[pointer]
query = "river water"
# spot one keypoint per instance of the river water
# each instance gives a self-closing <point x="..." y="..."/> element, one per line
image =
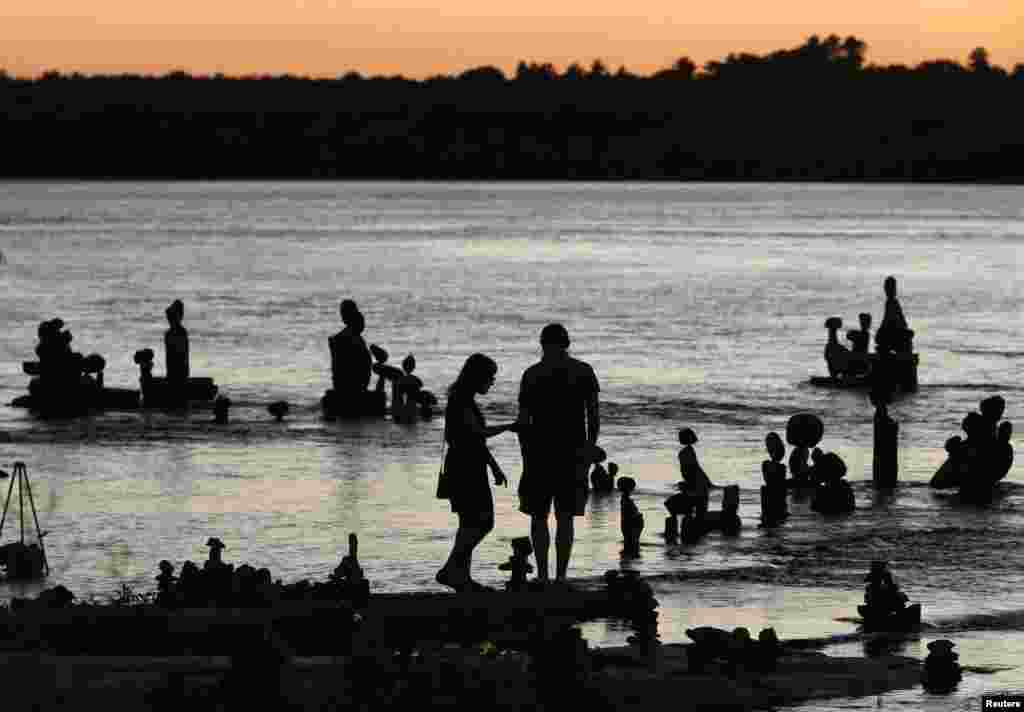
<point x="698" y="305"/>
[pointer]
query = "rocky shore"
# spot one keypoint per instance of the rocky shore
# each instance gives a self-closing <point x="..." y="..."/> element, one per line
<point x="444" y="676"/>
<point x="226" y="638"/>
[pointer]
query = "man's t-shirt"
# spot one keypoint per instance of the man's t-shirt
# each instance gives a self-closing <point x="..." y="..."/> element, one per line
<point x="555" y="391"/>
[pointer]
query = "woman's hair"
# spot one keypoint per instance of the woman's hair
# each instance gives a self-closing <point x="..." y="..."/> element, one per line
<point x="474" y="371"/>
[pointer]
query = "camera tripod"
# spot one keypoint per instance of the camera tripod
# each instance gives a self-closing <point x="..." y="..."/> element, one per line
<point x="20" y="475"/>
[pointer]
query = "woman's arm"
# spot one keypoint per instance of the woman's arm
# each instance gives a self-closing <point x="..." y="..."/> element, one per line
<point x="474" y="428"/>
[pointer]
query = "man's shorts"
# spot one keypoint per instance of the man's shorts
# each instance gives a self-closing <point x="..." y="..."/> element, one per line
<point x="562" y="484"/>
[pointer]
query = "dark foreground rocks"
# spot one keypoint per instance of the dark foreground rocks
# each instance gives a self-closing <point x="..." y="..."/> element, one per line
<point x="446" y="676"/>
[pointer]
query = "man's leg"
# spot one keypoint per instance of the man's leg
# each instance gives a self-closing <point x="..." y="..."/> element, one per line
<point x="541" y="542"/>
<point x="564" y="534"/>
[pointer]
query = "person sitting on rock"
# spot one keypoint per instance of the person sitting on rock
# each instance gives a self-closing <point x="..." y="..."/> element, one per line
<point x="837" y="356"/>
<point x="893" y="333"/>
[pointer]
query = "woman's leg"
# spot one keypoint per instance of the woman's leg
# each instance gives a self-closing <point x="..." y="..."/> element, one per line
<point x="472" y="530"/>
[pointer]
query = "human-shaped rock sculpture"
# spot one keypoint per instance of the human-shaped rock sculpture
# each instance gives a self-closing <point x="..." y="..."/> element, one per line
<point x="773" y="493"/>
<point x="885" y="442"/>
<point x="836" y="355"/>
<point x="893" y="334"/>
<point x="350" y="367"/>
<point x="408" y="387"/>
<point x="631" y="521"/>
<point x="176" y="357"/>
<point x="695" y="482"/>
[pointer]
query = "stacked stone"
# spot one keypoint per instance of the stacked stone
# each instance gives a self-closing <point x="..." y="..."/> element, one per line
<point x="636" y="597"/>
<point x="518" y="564"/>
<point x="976" y="463"/>
<point x="941" y="671"/>
<point x="64" y="382"/>
<point x="221" y="584"/>
<point x="803" y="432"/>
<point x="833" y="494"/>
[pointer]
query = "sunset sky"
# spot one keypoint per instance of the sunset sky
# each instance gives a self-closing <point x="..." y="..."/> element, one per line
<point x="419" y="38"/>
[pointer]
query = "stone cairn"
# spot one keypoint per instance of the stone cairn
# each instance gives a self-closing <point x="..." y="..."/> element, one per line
<point x="518" y="564"/>
<point x="884" y="461"/>
<point x="639" y="604"/>
<point x="278" y="409"/>
<point x="221" y="584"/>
<point x="221" y="406"/>
<point x="833" y="494"/>
<point x="774" y="509"/>
<point x="602" y="481"/>
<point x="736" y="649"/>
<point x="979" y="461"/>
<point x="803" y="432"/>
<point x="63" y="381"/>
<point x="882" y="597"/>
<point x="941" y="672"/>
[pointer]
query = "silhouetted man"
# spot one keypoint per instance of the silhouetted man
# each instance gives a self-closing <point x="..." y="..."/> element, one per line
<point x="558" y="417"/>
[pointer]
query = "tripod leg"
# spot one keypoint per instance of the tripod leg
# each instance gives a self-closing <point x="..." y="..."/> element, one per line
<point x="10" y="491"/>
<point x="35" y="517"/>
<point x="21" y="502"/>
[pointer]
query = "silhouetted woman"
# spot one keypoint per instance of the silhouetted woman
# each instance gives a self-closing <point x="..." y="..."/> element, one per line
<point x="466" y="463"/>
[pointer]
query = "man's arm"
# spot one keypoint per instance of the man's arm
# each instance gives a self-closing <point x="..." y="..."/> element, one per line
<point x="593" y="419"/>
<point x="523" y="419"/>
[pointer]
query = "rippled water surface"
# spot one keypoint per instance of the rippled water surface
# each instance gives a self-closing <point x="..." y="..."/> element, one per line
<point x="697" y="305"/>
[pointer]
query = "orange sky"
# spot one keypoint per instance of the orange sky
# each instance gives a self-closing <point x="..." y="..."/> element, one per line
<point x="418" y="38"/>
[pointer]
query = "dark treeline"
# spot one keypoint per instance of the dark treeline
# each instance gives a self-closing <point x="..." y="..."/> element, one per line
<point x="814" y="112"/>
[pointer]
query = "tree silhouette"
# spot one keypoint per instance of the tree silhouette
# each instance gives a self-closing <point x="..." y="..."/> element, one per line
<point x="816" y="111"/>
